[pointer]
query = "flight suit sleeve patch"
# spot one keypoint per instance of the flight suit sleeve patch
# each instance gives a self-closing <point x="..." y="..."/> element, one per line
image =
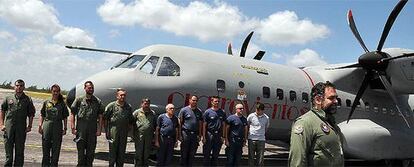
<point x="298" y="129"/>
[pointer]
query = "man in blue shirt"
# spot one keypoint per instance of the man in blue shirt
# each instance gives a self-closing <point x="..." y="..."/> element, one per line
<point x="236" y="134"/>
<point x="191" y="122"/>
<point x="166" y="135"/>
<point x="213" y="132"/>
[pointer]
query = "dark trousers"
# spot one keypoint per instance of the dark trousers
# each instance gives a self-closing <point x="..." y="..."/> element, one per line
<point x="86" y="150"/>
<point x="189" y="146"/>
<point x="118" y="146"/>
<point x="211" y="148"/>
<point x="51" y="143"/>
<point x="165" y="153"/>
<point x="234" y="152"/>
<point x="256" y="152"/>
<point x="14" y="139"/>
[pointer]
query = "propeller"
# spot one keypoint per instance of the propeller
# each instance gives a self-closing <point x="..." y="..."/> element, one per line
<point x="229" y="49"/>
<point x="245" y="44"/>
<point x="375" y="62"/>
<point x="259" y="55"/>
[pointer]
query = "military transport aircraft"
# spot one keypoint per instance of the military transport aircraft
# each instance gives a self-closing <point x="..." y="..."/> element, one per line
<point x="374" y="110"/>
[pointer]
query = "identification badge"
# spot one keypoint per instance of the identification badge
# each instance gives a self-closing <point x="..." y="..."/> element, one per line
<point x="11" y="101"/>
<point x="325" y="128"/>
<point x="298" y="129"/>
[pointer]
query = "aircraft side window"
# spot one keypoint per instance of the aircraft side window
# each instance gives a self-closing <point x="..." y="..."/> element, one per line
<point x="279" y="94"/>
<point x="348" y="103"/>
<point x="266" y="92"/>
<point x="130" y="62"/>
<point x="292" y="95"/>
<point x="221" y="86"/>
<point x="339" y="101"/>
<point x="150" y="65"/>
<point x="168" y="68"/>
<point x="305" y="97"/>
<point x="366" y="105"/>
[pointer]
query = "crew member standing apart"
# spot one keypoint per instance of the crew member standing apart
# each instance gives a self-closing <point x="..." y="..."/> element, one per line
<point x="258" y="125"/>
<point x="15" y="110"/>
<point x="53" y="125"/>
<point x="315" y="139"/>
<point x="213" y="132"/>
<point x="87" y="110"/>
<point x="166" y="135"/>
<point x="118" y="119"/>
<point x="236" y="135"/>
<point x="191" y="123"/>
<point x="144" y="132"/>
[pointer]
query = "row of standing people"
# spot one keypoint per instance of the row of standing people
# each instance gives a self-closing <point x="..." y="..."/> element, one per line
<point x="89" y="116"/>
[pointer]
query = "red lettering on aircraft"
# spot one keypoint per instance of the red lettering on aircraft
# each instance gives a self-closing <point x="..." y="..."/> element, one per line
<point x="279" y="111"/>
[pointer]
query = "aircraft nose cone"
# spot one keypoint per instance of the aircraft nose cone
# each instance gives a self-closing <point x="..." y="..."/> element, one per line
<point x="71" y="96"/>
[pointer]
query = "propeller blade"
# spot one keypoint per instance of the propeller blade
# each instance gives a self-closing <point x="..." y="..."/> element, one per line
<point x="361" y="90"/>
<point x="356" y="65"/>
<point x="392" y="95"/>
<point x="354" y="30"/>
<point x="397" y="57"/>
<point x="397" y="9"/>
<point x="229" y="49"/>
<point x="259" y="55"/>
<point x="245" y="44"/>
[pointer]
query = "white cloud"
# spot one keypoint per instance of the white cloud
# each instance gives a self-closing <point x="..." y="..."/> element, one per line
<point x="285" y="28"/>
<point x="42" y="63"/>
<point x="74" y="36"/>
<point x="306" y="57"/>
<point x="35" y="16"/>
<point x="7" y="36"/>
<point x="198" y="19"/>
<point x="219" y="21"/>
<point x="30" y="15"/>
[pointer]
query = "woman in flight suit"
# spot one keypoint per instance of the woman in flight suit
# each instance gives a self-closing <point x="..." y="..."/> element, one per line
<point x="52" y="126"/>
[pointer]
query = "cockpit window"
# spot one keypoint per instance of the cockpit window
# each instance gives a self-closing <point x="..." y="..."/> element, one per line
<point x="150" y="65"/>
<point x="168" y="68"/>
<point x="130" y="62"/>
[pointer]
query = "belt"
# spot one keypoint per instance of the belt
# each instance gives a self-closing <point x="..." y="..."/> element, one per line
<point x="190" y="131"/>
<point x="167" y="136"/>
<point x="213" y="131"/>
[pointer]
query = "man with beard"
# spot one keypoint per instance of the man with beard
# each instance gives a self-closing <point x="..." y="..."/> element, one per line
<point x="16" y="110"/>
<point x="87" y="110"/>
<point x="315" y="139"/>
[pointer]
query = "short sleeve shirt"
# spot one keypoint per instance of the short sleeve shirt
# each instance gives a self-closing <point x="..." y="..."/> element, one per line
<point x="258" y="126"/>
<point x="237" y="125"/>
<point x="214" y="119"/>
<point x="52" y="111"/>
<point x="167" y="125"/>
<point x="17" y="109"/>
<point x="190" y="118"/>
<point x="118" y="115"/>
<point x="87" y="109"/>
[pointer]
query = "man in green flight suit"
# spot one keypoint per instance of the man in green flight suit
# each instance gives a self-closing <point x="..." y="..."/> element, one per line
<point x="87" y="110"/>
<point x="315" y="139"/>
<point x="144" y="132"/>
<point x="15" y="109"/>
<point x="118" y="119"/>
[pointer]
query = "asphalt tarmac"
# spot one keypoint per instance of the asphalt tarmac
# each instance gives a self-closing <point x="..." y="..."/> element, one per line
<point x="276" y="153"/>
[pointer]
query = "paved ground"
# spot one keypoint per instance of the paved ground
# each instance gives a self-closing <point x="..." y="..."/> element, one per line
<point x="275" y="155"/>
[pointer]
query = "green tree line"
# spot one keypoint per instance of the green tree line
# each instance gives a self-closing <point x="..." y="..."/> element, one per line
<point x="34" y="88"/>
